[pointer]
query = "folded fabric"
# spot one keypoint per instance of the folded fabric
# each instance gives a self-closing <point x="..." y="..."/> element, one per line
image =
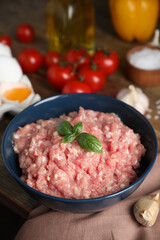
<point x="115" y="223"/>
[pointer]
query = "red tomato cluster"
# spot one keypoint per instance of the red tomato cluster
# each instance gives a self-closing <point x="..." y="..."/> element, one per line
<point x="76" y="71"/>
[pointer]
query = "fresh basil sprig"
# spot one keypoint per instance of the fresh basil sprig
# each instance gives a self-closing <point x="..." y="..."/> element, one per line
<point x="87" y="141"/>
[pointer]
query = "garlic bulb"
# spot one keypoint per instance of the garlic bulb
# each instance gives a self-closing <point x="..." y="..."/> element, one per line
<point x="135" y="98"/>
<point x="146" y="210"/>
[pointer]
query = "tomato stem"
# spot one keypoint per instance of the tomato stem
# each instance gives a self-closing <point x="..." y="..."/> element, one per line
<point x="94" y="66"/>
<point x="106" y="52"/>
<point x="63" y="63"/>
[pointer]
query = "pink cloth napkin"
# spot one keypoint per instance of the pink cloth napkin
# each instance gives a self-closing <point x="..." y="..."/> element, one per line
<point x="115" y="223"/>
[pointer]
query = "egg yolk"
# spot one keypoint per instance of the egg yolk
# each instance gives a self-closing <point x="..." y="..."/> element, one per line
<point x="17" y="94"/>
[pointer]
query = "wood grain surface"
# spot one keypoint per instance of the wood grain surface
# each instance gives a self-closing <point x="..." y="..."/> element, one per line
<point x="13" y="13"/>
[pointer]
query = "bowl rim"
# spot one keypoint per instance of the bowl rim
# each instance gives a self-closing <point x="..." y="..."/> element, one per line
<point x="70" y="200"/>
<point x="136" y="49"/>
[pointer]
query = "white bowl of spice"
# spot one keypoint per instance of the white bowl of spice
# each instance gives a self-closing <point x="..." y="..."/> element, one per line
<point x="143" y="65"/>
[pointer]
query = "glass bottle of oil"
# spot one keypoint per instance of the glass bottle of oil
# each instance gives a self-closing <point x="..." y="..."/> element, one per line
<point x="70" y="23"/>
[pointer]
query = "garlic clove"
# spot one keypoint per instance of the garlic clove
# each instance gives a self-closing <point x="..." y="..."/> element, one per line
<point x="146" y="210"/>
<point x="155" y="40"/>
<point x="134" y="97"/>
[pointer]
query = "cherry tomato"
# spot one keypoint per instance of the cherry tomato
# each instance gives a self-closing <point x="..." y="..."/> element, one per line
<point x="30" y="60"/>
<point x="51" y="57"/>
<point x="94" y="77"/>
<point x="76" y="86"/>
<point x="106" y="60"/>
<point x="58" y="75"/>
<point x="80" y="57"/>
<point x="25" y="33"/>
<point x="5" y="39"/>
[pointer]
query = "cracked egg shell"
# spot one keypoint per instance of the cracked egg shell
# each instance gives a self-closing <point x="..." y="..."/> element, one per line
<point x="18" y="92"/>
<point x="16" y="96"/>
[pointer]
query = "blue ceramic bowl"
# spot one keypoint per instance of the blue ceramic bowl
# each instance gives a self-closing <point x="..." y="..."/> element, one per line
<point x="57" y="105"/>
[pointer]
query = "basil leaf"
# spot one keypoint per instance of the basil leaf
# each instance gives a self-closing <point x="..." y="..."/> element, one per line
<point x="77" y="128"/>
<point x="64" y="128"/>
<point x="89" y="142"/>
<point x="69" y="138"/>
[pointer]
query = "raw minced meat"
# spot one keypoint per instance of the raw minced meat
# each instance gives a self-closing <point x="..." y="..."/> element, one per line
<point x="65" y="169"/>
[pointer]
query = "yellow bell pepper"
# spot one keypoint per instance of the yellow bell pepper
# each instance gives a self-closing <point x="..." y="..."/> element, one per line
<point x="134" y="19"/>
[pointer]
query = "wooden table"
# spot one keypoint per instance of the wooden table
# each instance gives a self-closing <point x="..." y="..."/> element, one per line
<point x="16" y="12"/>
